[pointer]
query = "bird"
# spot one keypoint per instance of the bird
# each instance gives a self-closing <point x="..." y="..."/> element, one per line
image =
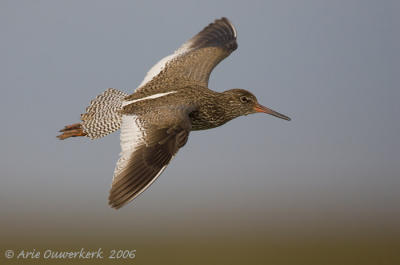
<point x="156" y="119"/>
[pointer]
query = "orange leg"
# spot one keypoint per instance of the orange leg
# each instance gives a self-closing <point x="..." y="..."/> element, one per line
<point x="73" y="130"/>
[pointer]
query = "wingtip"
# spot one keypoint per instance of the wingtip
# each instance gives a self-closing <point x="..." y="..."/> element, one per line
<point x="114" y="205"/>
<point x="228" y="21"/>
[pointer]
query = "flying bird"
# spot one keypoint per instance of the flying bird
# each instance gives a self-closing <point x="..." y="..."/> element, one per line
<point x="157" y="118"/>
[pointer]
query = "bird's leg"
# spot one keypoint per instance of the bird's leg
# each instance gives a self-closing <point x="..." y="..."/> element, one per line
<point x="72" y="130"/>
<point x="71" y="127"/>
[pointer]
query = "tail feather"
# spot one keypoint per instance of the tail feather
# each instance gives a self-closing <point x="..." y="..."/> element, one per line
<point x="102" y="117"/>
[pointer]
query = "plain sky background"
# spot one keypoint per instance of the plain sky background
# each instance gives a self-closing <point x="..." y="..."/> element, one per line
<point x="332" y="66"/>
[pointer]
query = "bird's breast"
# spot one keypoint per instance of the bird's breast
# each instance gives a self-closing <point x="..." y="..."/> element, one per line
<point x="207" y="118"/>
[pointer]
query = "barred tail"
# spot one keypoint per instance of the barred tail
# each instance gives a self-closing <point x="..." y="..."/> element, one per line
<point x="102" y="117"/>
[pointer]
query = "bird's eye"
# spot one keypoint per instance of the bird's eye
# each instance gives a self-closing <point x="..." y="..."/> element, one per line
<point x="244" y="99"/>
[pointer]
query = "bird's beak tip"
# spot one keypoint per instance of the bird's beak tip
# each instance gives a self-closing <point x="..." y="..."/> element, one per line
<point x="263" y="109"/>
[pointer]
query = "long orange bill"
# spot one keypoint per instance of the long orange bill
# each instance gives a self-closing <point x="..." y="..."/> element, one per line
<point x="261" y="108"/>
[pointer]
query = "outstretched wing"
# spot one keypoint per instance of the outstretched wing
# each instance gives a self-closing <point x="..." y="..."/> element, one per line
<point x="196" y="58"/>
<point x="146" y="151"/>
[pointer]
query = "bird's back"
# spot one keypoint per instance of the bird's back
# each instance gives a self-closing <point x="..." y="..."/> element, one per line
<point x="207" y="110"/>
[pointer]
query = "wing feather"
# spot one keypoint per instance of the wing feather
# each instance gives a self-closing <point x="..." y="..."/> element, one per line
<point x="146" y="151"/>
<point x="196" y="58"/>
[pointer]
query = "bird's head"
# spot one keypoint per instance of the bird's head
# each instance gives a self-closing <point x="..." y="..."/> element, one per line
<point x="243" y="103"/>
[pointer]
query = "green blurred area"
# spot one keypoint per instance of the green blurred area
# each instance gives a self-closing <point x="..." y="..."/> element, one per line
<point x="213" y="247"/>
<point x="202" y="236"/>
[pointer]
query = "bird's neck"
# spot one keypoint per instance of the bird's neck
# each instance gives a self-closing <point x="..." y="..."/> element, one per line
<point x="230" y="105"/>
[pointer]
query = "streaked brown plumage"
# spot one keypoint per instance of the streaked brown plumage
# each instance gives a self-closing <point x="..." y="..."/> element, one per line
<point x="173" y="99"/>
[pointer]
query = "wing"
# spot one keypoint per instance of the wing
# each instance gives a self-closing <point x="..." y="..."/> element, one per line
<point x="196" y="58"/>
<point x="146" y="151"/>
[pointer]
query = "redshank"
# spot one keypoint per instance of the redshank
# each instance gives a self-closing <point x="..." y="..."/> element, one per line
<point x="173" y="100"/>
